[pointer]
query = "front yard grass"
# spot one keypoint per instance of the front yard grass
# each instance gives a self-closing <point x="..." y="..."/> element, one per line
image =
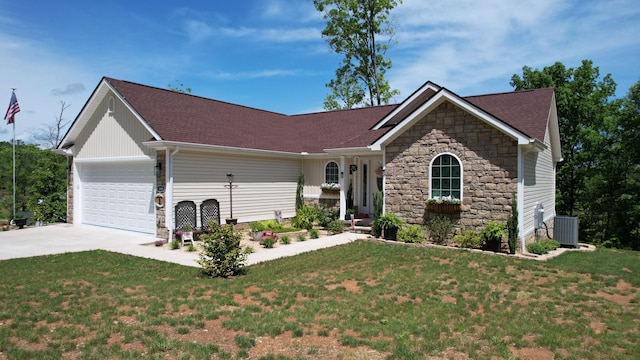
<point x="364" y="300"/>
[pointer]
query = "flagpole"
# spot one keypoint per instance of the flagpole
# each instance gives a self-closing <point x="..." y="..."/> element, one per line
<point x="14" y="162"/>
<point x="14" y="169"/>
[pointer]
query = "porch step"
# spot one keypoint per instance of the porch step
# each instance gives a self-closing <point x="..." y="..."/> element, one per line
<point x="361" y="229"/>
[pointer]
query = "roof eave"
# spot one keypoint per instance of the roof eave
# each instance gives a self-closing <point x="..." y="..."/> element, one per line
<point x="163" y="144"/>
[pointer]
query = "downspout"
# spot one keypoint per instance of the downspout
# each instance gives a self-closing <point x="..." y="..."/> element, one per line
<point x="384" y="178"/>
<point x="520" y="199"/>
<point x="169" y="192"/>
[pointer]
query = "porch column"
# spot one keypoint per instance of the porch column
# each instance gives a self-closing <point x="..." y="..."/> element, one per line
<point x="343" y="198"/>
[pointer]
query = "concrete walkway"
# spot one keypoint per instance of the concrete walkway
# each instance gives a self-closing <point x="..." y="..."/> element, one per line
<point x="64" y="238"/>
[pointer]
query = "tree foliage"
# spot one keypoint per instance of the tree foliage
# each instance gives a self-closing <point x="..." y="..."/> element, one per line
<point x="40" y="181"/>
<point x="599" y="178"/>
<point x="361" y="31"/>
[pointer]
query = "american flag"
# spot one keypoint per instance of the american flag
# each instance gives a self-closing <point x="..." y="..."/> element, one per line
<point x="13" y="109"/>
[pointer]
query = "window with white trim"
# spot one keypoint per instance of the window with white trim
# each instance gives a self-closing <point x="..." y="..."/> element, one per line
<point x="331" y="173"/>
<point x="446" y="177"/>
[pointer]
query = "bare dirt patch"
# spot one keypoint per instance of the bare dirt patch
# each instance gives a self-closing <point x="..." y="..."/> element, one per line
<point x="531" y="353"/>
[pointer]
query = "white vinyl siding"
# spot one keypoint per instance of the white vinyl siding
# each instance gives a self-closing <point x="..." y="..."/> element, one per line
<point x="314" y="175"/>
<point x="264" y="184"/>
<point x="539" y="185"/>
<point x="114" y="134"/>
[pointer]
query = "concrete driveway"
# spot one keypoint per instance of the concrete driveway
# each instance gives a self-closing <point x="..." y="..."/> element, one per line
<point x="64" y="238"/>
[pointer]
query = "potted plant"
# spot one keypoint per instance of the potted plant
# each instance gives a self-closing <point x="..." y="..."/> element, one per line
<point x="185" y="233"/>
<point x="492" y="235"/>
<point x="389" y="223"/>
<point x="256" y="230"/>
<point x="20" y="221"/>
<point x="348" y="213"/>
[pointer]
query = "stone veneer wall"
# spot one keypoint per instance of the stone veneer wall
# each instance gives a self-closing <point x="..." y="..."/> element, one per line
<point x="70" y="190"/>
<point x="488" y="159"/>
<point x="161" y="227"/>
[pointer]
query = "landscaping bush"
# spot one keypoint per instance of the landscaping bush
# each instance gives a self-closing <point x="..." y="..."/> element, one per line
<point x="335" y="227"/>
<point x="542" y="247"/>
<point x="439" y="228"/>
<point x="305" y="218"/>
<point x="302" y="237"/>
<point x="272" y="225"/>
<point x="536" y="248"/>
<point x="314" y="234"/>
<point x="221" y="252"/>
<point x="175" y="244"/>
<point x="411" y="234"/>
<point x="324" y="215"/>
<point x="469" y="239"/>
<point x="512" y="225"/>
<point x="285" y="239"/>
<point x="268" y="242"/>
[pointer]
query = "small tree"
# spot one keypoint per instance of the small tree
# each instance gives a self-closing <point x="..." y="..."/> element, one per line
<point x="221" y="254"/>
<point x="512" y="225"/>
<point x="300" y="192"/>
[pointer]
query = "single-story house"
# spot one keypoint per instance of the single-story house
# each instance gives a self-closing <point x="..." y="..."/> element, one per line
<point x="135" y="151"/>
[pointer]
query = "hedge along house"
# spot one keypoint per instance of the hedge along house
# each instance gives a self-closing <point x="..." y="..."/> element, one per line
<point x="135" y="151"/>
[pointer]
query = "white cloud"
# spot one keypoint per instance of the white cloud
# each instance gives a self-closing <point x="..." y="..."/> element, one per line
<point x="462" y="44"/>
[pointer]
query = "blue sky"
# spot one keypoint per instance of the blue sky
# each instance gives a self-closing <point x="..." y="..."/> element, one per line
<point x="269" y="54"/>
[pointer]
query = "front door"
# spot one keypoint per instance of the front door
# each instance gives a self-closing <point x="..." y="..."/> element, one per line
<point x="365" y="206"/>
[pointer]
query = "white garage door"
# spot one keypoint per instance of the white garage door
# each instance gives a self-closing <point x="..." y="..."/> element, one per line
<point x="118" y="196"/>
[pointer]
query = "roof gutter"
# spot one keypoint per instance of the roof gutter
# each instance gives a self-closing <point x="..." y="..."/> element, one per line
<point x="217" y="148"/>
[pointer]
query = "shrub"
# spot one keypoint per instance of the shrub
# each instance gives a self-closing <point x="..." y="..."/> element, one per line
<point x="335" y="227"/>
<point x="191" y="248"/>
<point x="542" y="247"/>
<point x="411" y="234"/>
<point x="469" y="239"/>
<point x="285" y="239"/>
<point x="324" y="215"/>
<point x="305" y="218"/>
<point x="439" y="229"/>
<point x="268" y="242"/>
<point x="492" y="235"/>
<point x="175" y="244"/>
<point x="248" y="250"/>
<point x="221" y="253"/>
<point x="313" y="233"/>
<point x="512" y="225"/>
<point x="272" y="225"/>
<point x="256" y="226"/>
<point x="536" y="248"/>
<point x="302" y="237"/>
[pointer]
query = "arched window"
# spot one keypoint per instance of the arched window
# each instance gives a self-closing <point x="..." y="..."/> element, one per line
<point x="331" y="173"/>
<point x="446" y="177"/>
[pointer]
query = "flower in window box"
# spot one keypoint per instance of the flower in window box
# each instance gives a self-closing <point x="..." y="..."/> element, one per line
<point x="330" y="187"/>
<point x="444" y="204"/>
<point x="444" y="200"/>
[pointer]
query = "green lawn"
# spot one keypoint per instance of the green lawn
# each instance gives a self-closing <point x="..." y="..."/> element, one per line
<point x="364" y="300"/>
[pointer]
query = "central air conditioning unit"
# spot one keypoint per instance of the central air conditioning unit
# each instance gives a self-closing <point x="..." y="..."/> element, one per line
<point x="565" y="231"/>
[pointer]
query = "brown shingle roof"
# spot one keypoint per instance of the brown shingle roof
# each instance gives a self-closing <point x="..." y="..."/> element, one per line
<point x="526" y="111"/>
<point x="192" y="119"/>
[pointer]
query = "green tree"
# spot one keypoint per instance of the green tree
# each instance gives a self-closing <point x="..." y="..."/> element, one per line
<point x="362" y="32"/>
<point x="583" y="104"/>
<point x="179" y="87"/>
<point x="40" y="181"/>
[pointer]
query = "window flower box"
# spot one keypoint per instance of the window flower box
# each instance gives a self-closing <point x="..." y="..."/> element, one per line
<point x="330" y="188"/>
<point x="444" y="204"/>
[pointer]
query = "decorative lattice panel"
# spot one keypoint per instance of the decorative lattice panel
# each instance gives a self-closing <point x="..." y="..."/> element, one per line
<point x="185" y="214"/>
<point x="209" y="211"/>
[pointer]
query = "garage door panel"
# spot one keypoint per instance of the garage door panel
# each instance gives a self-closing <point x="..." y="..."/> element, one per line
<point x="118" y="195"/>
